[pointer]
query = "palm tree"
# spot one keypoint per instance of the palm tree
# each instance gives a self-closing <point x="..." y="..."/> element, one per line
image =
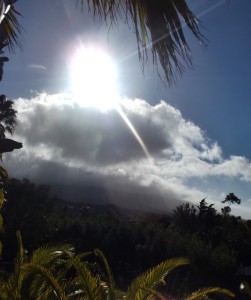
<point x="34" y="277"/>
<point x="10" y="30"/>
<point x="158" y="26"/>
<point x="54" y="272"/>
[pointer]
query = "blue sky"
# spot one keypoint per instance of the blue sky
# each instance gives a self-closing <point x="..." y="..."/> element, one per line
<point x="214" y="96"/>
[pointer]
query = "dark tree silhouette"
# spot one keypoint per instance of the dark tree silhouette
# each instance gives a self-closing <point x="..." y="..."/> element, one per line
<point x="9" y="36"/>
<point x="3" y="59"/>
<point x="206" y="211"/>
<point x="231" y="198"/>
<point x="8" y="116"/>
<point x="226" y="211"/>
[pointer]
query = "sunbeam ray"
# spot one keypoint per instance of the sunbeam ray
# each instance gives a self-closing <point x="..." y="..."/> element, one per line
<point x="135" y="133"/>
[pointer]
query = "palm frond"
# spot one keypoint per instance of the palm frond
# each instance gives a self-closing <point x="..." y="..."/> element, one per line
<point x="110" y="280"/>
<point x="36" y="283"/>
<point x="158" y="26"/>
<point x="48" y="255"/>
<point x="153" y="277"/>
<point x="2" y="174"/>
<point x="83" y="255"/>
<point x="50" y="279"/>
<point x="11" y="288"/>
<point x="20" y="254"/>
<point x="209" y="290"/>
<point x="152" y="294"/>
<point x="10" y="29"/>
<point x="89" y="284"/>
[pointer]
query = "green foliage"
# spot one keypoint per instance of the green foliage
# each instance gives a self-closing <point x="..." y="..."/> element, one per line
<point x="200" y="294"/>
<point x="54" y="272"/>
<point x="3" y="174"/>
<point x="216" y="246"/>
<point x="109" y="276"/>
<point x="184" y="216"/>
<point x="214" y="243"/>
<point x="1" y="198"/>
<point x="206" y="258"/>
<point x="26" y="204"/>
<point x="224" y="259"/>
<point x="153" y="278"/>
<point x="33" y="277"/>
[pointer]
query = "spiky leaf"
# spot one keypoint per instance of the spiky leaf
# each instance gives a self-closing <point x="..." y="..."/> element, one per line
<point x="1" y="198"/>
<point x="1" y="222"/>
<point x="158" y="26"/>
<point x="153" y="278"/>
<point x="90" y="284"/>
<point x="49" y="277"/>
<point x="3" y="173"/>
<point x="209" y="290"/>
<point x="110" y="280"/>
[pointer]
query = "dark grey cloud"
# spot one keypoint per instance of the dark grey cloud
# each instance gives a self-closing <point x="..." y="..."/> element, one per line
<point x="90" y="134"/>
<point x="75" y="184"/>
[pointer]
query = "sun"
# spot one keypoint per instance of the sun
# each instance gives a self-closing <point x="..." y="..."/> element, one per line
<point x="93" y="78"/>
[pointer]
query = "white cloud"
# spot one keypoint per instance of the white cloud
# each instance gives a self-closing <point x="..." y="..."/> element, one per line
<point x="236" y="166"/>
<point x="37" y="67"/>
<point x="67" y="143"/>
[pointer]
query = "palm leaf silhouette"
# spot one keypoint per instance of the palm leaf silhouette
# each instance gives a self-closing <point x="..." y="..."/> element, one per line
<point x="152" y="278"/>
<point x="49" y="279"/>
<point x="87" y="282"/>
<point x="158" y="26"/>
<point x="209" y="290"/>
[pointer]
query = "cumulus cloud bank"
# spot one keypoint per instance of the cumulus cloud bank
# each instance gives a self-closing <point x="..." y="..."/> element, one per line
<point x="68" y="144"/>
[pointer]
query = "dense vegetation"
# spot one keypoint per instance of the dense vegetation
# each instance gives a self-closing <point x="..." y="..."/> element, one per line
<point x="217" y="244"/>
<point x="56" y="272"/>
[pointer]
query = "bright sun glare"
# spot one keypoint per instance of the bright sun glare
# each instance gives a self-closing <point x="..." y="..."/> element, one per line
<point x="93" y="78"/>
<point x="93" y="83"/>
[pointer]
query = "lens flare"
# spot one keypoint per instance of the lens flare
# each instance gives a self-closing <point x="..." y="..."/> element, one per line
<point x="135" y="133"/>
<point x="93" y="83"/>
